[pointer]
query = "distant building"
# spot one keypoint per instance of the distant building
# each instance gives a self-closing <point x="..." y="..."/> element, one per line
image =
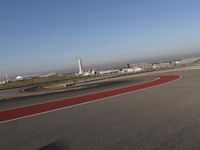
<point x="108" y="71"/>
<point x="145" y="65"/>
<point x="129" y="70"/>
<point x="49" y="75"/>
<point x="175" y="63"/>
<point x="85" y="73"/>
<point x="90" y="73"/>
<point x="28" y="77"/>
<point x="155" y="66"/>
<point x="164" y="65"/>
<point x="19" y="78"/>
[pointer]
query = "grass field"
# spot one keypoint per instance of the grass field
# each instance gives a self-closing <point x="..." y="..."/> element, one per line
<point x="39" y="81"/>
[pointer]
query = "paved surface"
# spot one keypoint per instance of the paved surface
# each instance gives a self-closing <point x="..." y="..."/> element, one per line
<point x="30" y="91"/>
<point x="21" y="112"/>
<point x="164" y="117"/>
<point x="92" y="88"/>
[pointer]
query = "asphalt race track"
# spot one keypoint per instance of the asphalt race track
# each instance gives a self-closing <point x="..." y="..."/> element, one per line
<point x="165" y="116"/>
<point x="91" y="88"/>
<point x="20" y="112"/>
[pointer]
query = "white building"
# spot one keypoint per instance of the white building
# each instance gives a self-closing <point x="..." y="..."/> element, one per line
<point x="145" y="65"/>
<point x="18" y="78"/>
<point x="155" y="66"/>
<point x="129" y="70"/>
<point x="108" y="71"/>
<point x="49" y="75"/>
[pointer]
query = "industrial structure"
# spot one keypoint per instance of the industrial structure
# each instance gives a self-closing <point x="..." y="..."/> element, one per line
<point x="81" y="69"/>
<point x="80" y="65"/>
<point x="102" y="72"/>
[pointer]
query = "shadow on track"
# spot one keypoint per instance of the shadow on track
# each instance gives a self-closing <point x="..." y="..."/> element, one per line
<point x="57" y="145"/>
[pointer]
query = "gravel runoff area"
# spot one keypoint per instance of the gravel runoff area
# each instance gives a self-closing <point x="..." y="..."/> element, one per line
<point x="164" y="117"/>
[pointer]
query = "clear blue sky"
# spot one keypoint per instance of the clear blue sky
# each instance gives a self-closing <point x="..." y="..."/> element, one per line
<point x="43" y="35"/>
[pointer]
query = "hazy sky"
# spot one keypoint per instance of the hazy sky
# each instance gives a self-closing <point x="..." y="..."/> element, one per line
<point x="43" y="35"/>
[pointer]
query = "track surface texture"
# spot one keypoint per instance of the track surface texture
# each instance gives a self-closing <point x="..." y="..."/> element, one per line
<point x="25" y="111"/>
<point x="92" y="88"/>
<point x="163" y="117"/>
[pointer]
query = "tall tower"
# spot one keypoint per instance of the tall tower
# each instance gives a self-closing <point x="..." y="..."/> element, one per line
<point x="80" y="65"/>
<point x="7" y="78"/>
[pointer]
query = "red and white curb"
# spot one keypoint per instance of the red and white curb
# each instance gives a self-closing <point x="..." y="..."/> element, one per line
<point x="27" y="111"/>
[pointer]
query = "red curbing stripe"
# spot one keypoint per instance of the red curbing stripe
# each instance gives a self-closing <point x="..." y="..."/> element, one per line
<point x="21" y="112"/>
